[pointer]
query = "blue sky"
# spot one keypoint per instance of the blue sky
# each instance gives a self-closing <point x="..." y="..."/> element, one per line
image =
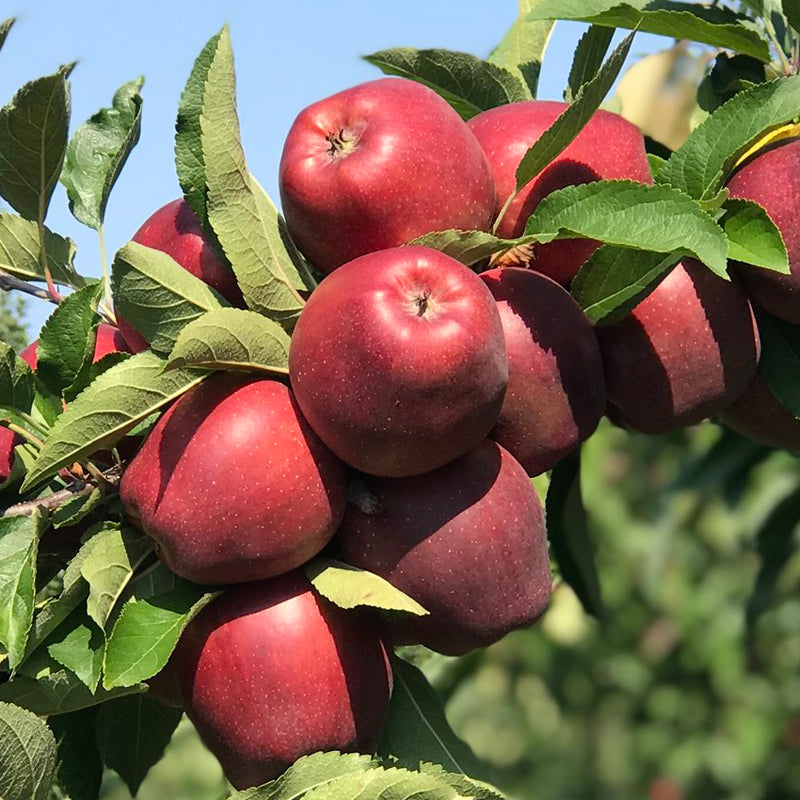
<point x="288" y="55"/>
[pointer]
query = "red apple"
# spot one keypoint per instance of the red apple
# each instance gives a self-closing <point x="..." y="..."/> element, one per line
<point x="467" y="541"/>
<point x="772" y="179"/>
<point x="8" y="441"/>
<point x="608" y="148"/>
<point x="175" y="230"/>
<point x="376" y="166"/>
<point x="270" y="672"/>
<point x="233" y="484"/>
<point x="759" y="415"/>
<point x="398" y="361"/>
<point x="556" y="392"/>
<point x="686" y="351"/>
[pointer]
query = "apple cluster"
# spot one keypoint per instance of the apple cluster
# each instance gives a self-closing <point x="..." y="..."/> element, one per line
<point x="421" y="399"/>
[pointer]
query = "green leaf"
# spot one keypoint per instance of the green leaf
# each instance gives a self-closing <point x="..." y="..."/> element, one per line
<point x="111" y="558"/>
<point x="469" y="84"/>
<point x="16" y="381"/>
<point x="468" y="247"/>
<point x="568" y="533"/>
<point x="90" y="371"/>
<point x="5" y="27"/>
<point x="146" y="632"/>
<point x="307" y="774"/>
<point x="98" y="151"/>
<point x="19" y="538"/>
<point x="102" y="414"/>
<point x="417" y="728"/>
<point x="58" y="692"/>
<point x="753" y="237"/>
<point x="132" y="733"/>
<point x="21" y="252"/>
<point x="615" y="279"/>
<point x="188" y="144"/>
<point x="780" y="360"/>
<point x="27" y="755"/>
<point x="522" y="49"/>
<point x="80" y="770"/>
<point x="248" y="226"/>
<point x="588" y="58"/>
<point x="466" y="786"/>
<point x="75" y="509"/>
<point x="67" y="339"/>
<point x="629" y="214"/>
<point x="574" y="118"/>
<point x="705" y="160"/>
<point x="232" y="339"/>
<point x="79" y="648"/>
<point x="717" y="26"/>
<point x="158" y="296"/>
<point x="349" y="587"/>
<point x="791" y="10"/>
<point x="33" y="140"/>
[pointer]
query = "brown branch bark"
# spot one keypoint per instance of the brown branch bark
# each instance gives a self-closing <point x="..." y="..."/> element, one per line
<point x="9" y="283"/>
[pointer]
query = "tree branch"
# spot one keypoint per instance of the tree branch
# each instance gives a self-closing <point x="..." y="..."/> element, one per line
<point x="9" y="283"/>
<point x="80" y="488"/>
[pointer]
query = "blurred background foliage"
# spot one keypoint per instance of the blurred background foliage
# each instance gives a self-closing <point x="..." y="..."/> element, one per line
<point x="689" y="687"/>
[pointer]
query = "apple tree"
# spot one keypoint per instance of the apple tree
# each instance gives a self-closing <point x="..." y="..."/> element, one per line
<point x="261" y="459"/>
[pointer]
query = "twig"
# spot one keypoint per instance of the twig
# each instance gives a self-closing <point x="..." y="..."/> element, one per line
<point x="8" y="283"/>
<point x="108" y="479"/>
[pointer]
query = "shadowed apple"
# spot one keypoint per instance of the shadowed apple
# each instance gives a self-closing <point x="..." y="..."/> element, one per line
<point x="175" y="230"/>
<point x="8" y="441"/>
<point x="759" y="415"/>
<point x="556" y="391"/>
<point x="270" y="672"/>
<point x="686" y="351"/>
<point x="467" y="541"/>
<point x="608" y="148"/>
<point x="772" y="179"/>
<point x="376" y="166"/>
<point x="233" y="484"/>
<point x="398" y="361"/>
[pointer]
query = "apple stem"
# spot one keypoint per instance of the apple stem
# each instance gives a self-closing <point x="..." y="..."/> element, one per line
<point x="422" y="304"/>
<point x="101" y="234"/>
<point x="341" y="143"/>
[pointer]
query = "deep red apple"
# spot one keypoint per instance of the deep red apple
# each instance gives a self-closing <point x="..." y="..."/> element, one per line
<point x="772" y="179"/>
<point x="175" y="230"/>
<point x="398" y="361"/>
<point x="376" y="166"/>
<point x="8" y="441"/>
<point x="556" y="392"/>
<point x="608" y="148"/>
<point x="759" y="415"/>
<point x="467" y="541"/>
<point x="270" y="672"/>
<point x="233" y="484"/>
<point x="688" y="350"/>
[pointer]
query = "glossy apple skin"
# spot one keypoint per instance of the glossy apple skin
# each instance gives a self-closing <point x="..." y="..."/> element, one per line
<point x="772" y="180"/>
<point x="759" y="415"/>
<point x="270" y="672"/>
<point x="687" y="351"/>
<point x="398" y="361"/>
<point x="409" y="165"/>
<point x="8" y="441"/>
<point x="468" y="542"/>
<point x="556" y="391"/>
<point x="608" y="148"/>
<point x="175" y="230"/>
<point x="233" y="484"/>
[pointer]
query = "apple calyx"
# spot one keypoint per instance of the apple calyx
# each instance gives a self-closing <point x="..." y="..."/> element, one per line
<point x="363" y="498"/>
<point x="342" y="143"/>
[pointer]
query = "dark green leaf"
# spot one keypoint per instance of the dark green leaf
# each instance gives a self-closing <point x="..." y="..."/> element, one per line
<point x="16" y="381"/>
<point x="78" y="645"/>
<point x="469" y="84"/>
<point x="132" y="733"/>
<point x="188" y="145"/>
<point x="588" y="58"/>
<point x="5" y="27"/>
<point x="98" y="151"/>
<point x="33" y="140"/>
<point x="717" y="26"/>
<point x="568" y="533"/>
<point x="791" y="10"/>
<point x="67" y="339"/>
<point x="780" y="360"/>
<point x="417" y="728"/>
<point x="572" y="121"/>
<point x="80" y="770"/>
<point x="27" y="755"/>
